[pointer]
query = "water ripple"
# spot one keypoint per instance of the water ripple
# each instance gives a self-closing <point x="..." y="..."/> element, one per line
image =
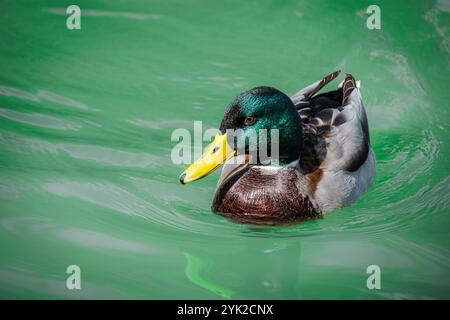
<point x="40" y="120"/>
<point x="42" y="95"/>
<point x="104" y="13"/>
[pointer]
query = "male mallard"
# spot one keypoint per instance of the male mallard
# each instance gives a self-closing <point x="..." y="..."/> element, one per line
<point x="325" y="158"/>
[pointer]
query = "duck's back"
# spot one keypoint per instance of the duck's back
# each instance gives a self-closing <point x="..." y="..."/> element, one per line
<point x="337" y="157"/>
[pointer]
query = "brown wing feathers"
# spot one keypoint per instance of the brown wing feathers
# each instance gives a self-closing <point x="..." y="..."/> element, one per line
<point x="348" y="87"/>
<point x="327" y="79"/>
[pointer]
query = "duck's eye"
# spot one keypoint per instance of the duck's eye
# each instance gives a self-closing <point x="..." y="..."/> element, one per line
<point x="249" y="121"/>
<point x="215" y="149"/>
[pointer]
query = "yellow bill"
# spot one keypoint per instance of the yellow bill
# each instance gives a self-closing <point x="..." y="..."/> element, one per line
<point x="215" y="155"/>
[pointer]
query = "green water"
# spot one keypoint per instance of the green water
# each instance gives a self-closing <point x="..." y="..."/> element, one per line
<point x="86" y="177"/>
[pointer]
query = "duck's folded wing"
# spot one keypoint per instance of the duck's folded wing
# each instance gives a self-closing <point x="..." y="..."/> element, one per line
<point x="337" y="138"/>
<point x="306" y="93"/>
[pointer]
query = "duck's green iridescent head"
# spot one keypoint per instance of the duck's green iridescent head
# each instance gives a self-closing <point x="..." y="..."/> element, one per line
<point x="246" y="128"/>
<point x="258" y="111"/>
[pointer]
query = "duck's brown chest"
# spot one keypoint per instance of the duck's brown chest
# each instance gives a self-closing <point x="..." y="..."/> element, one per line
<point x="264" y="195"/>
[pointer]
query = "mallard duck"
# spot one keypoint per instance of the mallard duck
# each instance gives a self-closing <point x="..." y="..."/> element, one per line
<point x="325" y="159"/>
